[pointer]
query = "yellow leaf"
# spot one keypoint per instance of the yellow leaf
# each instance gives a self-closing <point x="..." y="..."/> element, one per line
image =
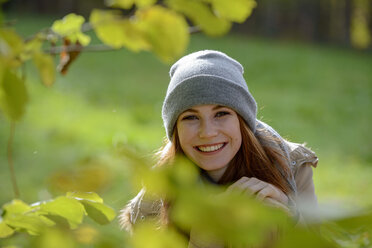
<point x="165" y="30"/>
<point x="5" y="230"/>
<point x="127" y="4"/>
<point x="233" y="10"/>
<point x="144" y="3"/>
<point x="45" y="64"/>
<point x="15" y="207"/>
<point x="114" y="31"/>
<point x="31" y="47"/>
<point x="202" y="16"/>
<point x="82" y="38"/>
<point x="11" y="42"/>
<point x="70" y="27"/>
<point x="71" y="23"/>
<point x="11" y="45"/>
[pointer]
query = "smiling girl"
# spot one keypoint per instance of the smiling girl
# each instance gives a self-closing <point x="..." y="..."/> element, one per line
<point x="210" y="117"/>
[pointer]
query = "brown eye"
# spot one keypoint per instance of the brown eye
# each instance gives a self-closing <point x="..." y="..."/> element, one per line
<point x="190" y="117"/>
<point x="222" y="113"/>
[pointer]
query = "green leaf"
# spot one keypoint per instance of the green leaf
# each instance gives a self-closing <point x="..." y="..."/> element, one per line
<point x="15" y="207"/>
<point x="21" y="216"/>
<point x="13" y="95"/>
<point x="147" y="235"/>
<point x="117" y="32"/>
<point x="165" y="30"/>
<point x="99" y="212"/>
<point x="202" y="16"/>
<point x="91" y="196"/>
<point x="32" y="223"/>
<point x="70" y="27"/>
<point x="301" y="237"/>
<point x="68" y="208"/>
<point x="356" y="221"/>
<point x="45" y="65"/>
<point x="55" y="238"/>
<point x="5" y="230"/>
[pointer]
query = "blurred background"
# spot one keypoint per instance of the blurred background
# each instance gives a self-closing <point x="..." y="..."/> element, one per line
<point x="307" y="62"/>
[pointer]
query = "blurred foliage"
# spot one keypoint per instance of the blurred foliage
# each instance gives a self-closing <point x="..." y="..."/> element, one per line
<point x="207" y="211"/>
<point x="86" y="176"/>
<point x="360" y="30"/>
<point x="146" y="29"/>
<point x="63" y="211"/>
<point x="194" y="207"/>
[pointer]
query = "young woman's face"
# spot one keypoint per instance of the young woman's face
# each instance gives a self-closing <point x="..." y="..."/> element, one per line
<point x="210" y="136"/>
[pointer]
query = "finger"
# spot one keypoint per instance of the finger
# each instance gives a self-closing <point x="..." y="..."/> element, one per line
<point x="273" y="203"/>
<point x="254" y="185"/>
<point x="267" y="192"/>
<point x="273" y="192"/>
<point x="238" y="184"/>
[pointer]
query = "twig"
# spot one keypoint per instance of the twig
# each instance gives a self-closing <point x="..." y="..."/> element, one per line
<point x="75" y="48"/>
<point x="10" y="160"/>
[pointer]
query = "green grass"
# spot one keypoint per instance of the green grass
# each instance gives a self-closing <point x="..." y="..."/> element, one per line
<point x="310" y="93"/>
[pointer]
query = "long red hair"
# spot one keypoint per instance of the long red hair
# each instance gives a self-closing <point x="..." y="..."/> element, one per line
<point x="255" y="158"/>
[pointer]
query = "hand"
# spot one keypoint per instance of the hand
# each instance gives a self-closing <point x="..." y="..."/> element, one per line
<point x="264" y="191"/>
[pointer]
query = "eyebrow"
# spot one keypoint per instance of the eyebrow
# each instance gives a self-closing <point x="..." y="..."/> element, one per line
<point x="195" y="111"/>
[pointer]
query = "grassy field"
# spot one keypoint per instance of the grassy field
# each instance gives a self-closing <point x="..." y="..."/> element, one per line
<point x="317" y="94"/>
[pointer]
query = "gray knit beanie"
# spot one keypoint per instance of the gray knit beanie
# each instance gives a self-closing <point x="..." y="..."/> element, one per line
<point x="207" y="77"/>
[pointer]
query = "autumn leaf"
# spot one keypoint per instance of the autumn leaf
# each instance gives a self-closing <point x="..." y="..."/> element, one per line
<point x="68" y="55"/>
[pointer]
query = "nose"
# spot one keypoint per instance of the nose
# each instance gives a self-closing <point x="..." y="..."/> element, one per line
<point x="207" y="129"/>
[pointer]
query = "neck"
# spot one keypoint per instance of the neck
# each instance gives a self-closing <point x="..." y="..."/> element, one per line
<point x="216" y="175"/>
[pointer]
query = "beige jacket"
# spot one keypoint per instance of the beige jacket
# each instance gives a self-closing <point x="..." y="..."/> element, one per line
<point x="302" y="160"/>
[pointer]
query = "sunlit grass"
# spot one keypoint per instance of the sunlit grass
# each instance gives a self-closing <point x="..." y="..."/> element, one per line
<point x="344" y="183"/>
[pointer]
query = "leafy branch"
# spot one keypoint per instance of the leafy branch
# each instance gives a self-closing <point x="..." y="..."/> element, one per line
<point x="67" y="210"/>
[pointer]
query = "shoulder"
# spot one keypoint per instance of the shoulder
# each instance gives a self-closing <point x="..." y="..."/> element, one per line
<point x="140" y="207"/>
<point x="296" y="154"/>
<point x="300" y="155"/>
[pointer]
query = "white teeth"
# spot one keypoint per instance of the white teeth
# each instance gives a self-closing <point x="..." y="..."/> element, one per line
<point x="210" y="148"/>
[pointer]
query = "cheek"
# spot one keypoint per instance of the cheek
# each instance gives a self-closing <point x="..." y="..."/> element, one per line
<point x="237" y="135"/>
<point x="238" y="139"/>
<point x="184" y="135"/>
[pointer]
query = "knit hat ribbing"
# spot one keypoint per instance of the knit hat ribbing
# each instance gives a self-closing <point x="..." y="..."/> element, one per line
<point x="207" y="77"/>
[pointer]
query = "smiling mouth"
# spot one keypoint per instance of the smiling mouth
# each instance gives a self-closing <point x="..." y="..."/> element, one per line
<point x="210" y="148"/>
